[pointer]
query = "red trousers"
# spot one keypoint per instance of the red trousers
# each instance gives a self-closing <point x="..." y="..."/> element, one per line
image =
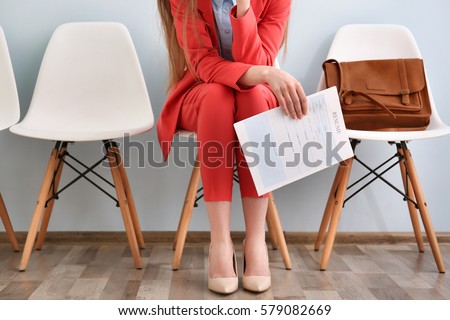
<point x="211" y="110"/>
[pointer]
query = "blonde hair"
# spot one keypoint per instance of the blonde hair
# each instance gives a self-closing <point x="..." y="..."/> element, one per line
<point x="177" y="56"/>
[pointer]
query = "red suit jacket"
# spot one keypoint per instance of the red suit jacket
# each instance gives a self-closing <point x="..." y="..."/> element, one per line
<point x="257" y="37"/>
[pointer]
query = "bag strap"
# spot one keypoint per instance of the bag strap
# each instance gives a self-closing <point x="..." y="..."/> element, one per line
<point x="341" y="74"/>
<point x="404" y="82"/>
<point x="343" y="92"/>
<point x="368" y="97"/>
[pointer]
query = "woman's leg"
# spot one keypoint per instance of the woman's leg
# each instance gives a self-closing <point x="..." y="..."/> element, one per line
<point x="255" y="210"/>
<point x="209" y="110"/>
<point x="255" y="101"/>
<point x="221" y="255"/>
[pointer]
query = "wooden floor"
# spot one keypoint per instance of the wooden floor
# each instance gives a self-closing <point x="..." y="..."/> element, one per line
<point x="105" y="271"/>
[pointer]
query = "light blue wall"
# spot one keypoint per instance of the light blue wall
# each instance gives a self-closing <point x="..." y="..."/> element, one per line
<point x="159" y="193"/>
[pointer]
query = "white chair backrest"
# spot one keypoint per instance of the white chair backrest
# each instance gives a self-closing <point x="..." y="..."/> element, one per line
<point x="371" y="41"/>
<point x="358" y="42"/>
<point x="90" y="79"/>
<point x="9" y="100"/>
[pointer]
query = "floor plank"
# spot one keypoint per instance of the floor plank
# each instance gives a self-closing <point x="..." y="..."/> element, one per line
<point x="87" y="289"/>
<point x="59" y="282"/>
<point x="19" y="290"/>
<point x="322" y="295"/>
<point x="349" y="286"/>
<point x="154" y="290"/>
<point x="106" y="271"/>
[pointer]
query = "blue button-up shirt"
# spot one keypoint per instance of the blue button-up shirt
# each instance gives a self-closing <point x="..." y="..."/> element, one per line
<point x="223" y="24"/>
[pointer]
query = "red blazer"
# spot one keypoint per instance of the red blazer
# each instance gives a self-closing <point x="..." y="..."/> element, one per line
<point x="257" y="37"/>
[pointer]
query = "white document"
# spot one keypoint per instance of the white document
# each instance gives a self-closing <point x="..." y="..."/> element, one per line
<point x="280" y="150"/>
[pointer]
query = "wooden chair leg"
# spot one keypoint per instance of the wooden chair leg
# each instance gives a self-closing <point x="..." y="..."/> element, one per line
<point x="131" y="204"/>
<point x="336" y="212"/>
<point x="48" y="211"/>
<point x="271" y="230"/>
<point x="411" y="207"/>
<point x="272" y="212"/>
<point x="124" y="207"/>
<point x="8" y="226"/>
<point x="39" y="210"/>
<point x="186" y="215"/>
<point x="328" y="209"/>
<point x="423" y="209"/>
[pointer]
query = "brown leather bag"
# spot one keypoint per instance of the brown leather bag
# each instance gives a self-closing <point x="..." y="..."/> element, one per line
<point x="388" y="95"/>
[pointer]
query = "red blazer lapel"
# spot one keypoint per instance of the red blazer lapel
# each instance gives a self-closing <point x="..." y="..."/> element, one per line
<point x="206" y="11"/>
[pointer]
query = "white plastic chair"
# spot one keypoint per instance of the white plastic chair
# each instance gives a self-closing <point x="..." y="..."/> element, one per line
<point x="9" y="100"/>
<point x="90" y="87"/>
<point x="9" y="115"/>
<point x="369" y="42"/>
<point x="193" y="195"/>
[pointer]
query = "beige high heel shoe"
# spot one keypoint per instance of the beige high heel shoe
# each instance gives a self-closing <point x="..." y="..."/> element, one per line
<point x="224" y="285"/>
<point x="254" y="283"/>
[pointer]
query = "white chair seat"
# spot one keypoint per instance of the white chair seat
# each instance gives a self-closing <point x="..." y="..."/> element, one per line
<point x="83" y="132"/>
<point x="186" y="133"/>
<point x="396" y="136"/>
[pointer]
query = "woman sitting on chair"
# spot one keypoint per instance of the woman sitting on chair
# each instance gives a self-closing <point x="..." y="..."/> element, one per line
<point x="222" y="54"/>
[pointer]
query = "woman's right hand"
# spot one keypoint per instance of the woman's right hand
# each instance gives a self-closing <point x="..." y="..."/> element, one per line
<point x="288" y="90"/>
<point x="242" y="8"/>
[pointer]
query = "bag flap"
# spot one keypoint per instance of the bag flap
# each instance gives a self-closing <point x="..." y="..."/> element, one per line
<point x="383" y="76"/>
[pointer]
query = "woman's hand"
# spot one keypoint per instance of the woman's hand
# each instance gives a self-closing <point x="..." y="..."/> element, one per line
<point x="289" y="92"/>
<point x="242" y="8"/>
<point x="286" y="88"/>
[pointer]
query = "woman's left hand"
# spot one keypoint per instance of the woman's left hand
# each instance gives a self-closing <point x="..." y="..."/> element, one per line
<point x="288" y="90"/>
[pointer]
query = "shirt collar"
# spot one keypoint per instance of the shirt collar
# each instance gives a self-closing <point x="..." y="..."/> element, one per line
<point x="219" y="2"/>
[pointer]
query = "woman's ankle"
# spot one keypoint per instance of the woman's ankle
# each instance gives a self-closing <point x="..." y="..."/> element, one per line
<point x="256" y="257"/>
<point x="221" y="238"/>
<point x="221" y="258"/>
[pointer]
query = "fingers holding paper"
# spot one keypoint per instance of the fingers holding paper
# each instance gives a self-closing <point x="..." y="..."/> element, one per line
<point x="289" y="92"/>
